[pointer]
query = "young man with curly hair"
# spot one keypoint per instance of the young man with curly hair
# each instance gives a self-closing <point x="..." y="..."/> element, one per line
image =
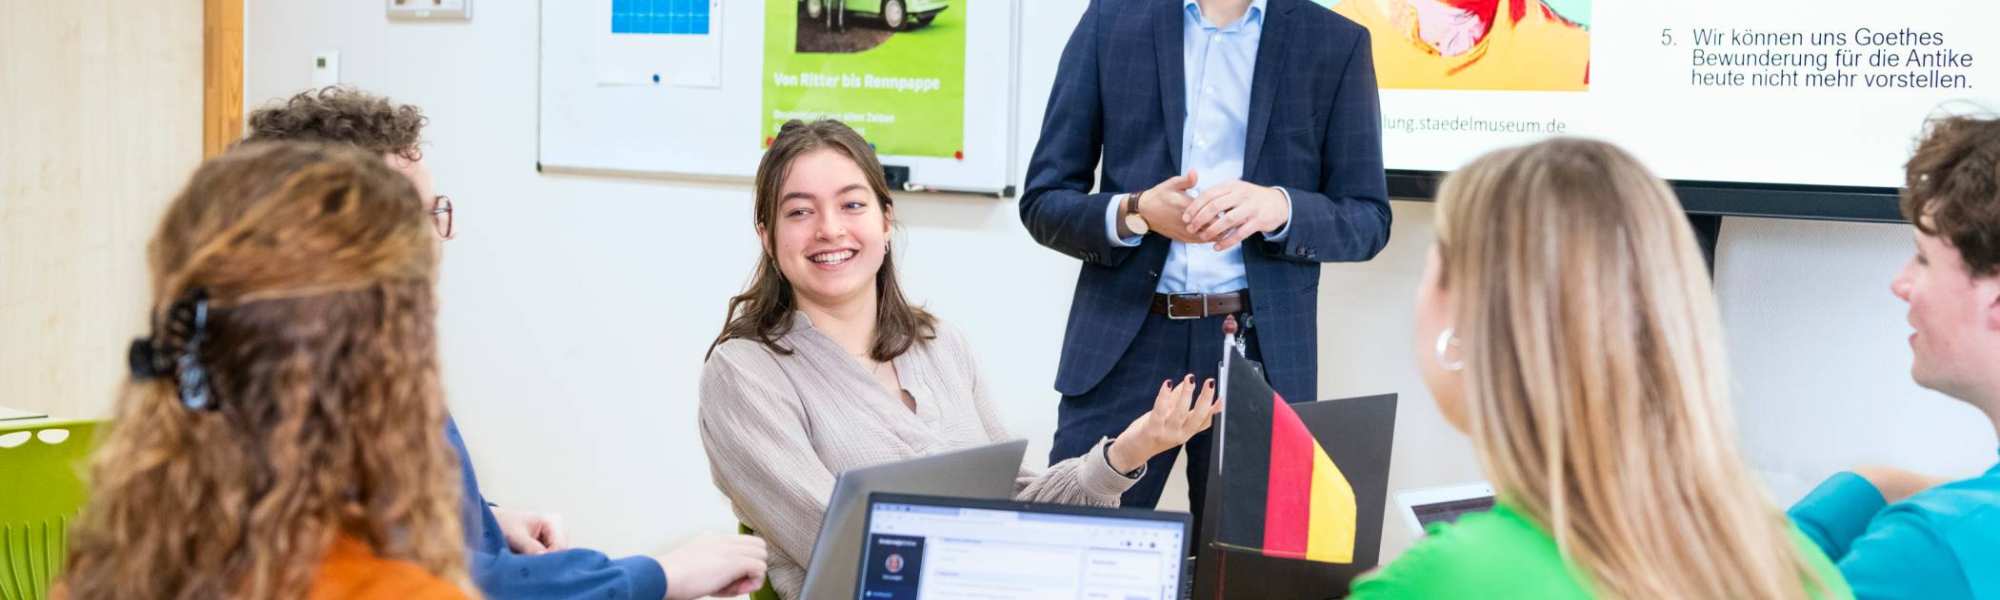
<point x="1897" y="534"/>
<point x="511" y="553"/>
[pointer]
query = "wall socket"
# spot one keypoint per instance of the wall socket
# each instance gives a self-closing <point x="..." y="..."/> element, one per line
<point x="430" y="10"/>
<point x="326" y="68"/>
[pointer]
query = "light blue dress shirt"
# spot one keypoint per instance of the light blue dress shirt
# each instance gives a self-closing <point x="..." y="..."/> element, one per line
<point x="1942" y="543"/>
<point x="1219" y="62"/>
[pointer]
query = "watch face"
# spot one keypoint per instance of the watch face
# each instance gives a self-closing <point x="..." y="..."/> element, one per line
<point x="1136" y="223"/>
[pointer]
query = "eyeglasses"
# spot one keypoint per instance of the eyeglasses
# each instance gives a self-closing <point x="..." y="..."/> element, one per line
<point x="441" y="216"/>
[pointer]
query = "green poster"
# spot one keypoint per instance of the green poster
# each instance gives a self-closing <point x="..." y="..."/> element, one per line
<point x="893" y="70"/>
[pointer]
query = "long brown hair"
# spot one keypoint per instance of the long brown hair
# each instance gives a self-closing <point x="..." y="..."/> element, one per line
<point x="327" y="416"/>
<point x="1597" y="391"/>
<point x="763" y="312"/>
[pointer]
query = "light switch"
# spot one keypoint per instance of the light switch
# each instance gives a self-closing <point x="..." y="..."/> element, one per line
<point x="326" y="68"/>
<point x="430" y="10"/>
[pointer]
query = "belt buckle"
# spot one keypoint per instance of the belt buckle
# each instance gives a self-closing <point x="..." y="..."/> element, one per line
<point x="1180" y="317"/>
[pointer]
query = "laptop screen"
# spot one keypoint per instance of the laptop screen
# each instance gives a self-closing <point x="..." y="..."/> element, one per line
<point x="937" y="549"/>
<point x="1450" y="511"/>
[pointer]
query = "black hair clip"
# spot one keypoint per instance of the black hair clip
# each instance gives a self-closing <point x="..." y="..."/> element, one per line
<point x="175" y="349"/>
<point x="144" y="360"/>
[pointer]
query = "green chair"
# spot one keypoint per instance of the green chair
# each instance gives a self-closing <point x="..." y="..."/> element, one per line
<point x="767" y="593"/>
<point x="40" y="466"/>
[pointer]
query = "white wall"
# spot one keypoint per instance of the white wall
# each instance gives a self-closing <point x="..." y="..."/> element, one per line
<point x="1821" y="359"/>
<point x="577" y="309"/>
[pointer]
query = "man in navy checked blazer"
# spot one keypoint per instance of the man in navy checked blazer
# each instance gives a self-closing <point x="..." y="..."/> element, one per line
<point x="1241" y="147"/>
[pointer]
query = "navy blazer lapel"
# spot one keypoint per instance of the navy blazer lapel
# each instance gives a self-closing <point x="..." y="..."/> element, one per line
<point x="1264" y="82"/>
<point x="1168" y="24"/>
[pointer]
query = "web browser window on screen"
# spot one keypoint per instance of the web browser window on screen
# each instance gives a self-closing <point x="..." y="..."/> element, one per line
<point x="922" y="552"/>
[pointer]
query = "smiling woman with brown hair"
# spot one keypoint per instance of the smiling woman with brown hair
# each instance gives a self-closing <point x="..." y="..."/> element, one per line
<point x="823" y="365"/>
<point x="278" y="437"/>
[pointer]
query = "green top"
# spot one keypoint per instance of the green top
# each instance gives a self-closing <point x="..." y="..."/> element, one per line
<point x="1502" y="554"/>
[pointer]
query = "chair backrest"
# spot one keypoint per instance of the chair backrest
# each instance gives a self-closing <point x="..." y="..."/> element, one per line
<point x="766" y="592"/>
<point x="41" y="466"/>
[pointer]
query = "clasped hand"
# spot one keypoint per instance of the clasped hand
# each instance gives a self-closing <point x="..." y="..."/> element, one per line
<point x="1224" y="215"/>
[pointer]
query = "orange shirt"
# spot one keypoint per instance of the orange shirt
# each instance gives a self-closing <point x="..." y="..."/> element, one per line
<point x="352" y="571"/>
<point x="1539" y="51"/>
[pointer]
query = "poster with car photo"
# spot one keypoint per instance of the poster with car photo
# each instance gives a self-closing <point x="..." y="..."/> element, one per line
<point x="894" y="70"/>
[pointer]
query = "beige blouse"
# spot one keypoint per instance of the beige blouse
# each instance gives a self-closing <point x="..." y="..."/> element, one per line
<point x="778" y="428"/>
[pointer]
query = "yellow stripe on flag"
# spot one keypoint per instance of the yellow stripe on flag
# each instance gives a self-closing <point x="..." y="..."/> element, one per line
<point x="1330" y="532"/>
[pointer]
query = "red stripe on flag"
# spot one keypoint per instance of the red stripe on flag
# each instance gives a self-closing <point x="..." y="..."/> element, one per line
<point x="1288" y="506"/>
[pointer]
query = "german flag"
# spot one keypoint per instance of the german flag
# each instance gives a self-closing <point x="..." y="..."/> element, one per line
<point x="1282" y="496"/>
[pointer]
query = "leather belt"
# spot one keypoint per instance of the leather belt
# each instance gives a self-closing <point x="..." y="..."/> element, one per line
<point x="1200" y="306"/>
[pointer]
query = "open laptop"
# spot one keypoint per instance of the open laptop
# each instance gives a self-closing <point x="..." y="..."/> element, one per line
<point x="933" y="548"/>
<point x="1425" y="507"/>
<point x="979" y="472"/>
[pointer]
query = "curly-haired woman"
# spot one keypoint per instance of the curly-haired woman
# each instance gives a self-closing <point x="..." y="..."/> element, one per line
<point x="279" y="436"/>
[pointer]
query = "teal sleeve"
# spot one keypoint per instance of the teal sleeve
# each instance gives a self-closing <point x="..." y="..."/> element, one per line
<point x="1837" y="512"/>
<point x="1902" y="556"/>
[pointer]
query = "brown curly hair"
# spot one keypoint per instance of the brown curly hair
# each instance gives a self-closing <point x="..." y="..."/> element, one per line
<point x="322" y="360"/>
<point x="342" y="115"/>
<point x="1952" y="188"/>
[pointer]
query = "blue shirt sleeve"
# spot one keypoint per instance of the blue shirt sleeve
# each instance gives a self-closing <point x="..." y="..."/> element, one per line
<point x="1837" y="512"/>
<point x="1286" y="229"/>
<point x="1903" y="556"/>
<point x="1884" y="552"/>
<point x="573" y="573"/>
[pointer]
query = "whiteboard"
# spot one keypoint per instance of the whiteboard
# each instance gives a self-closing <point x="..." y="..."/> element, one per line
<point x="712" y="129"/>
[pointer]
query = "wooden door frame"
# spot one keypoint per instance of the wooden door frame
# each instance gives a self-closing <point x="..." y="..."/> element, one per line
<point x="221" y="75"/>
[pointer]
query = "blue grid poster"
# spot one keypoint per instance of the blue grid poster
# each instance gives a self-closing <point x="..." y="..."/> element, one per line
<point x="659" y="42"/>
<point x="668" y="17"/>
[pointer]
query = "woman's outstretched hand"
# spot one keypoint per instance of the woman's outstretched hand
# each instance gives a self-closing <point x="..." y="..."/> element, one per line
<point x="1171" y="422"/>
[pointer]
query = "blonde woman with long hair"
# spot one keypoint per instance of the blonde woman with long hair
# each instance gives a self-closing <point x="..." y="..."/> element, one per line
<point x="281" y="433"/>
<point x="1565" y="322"/>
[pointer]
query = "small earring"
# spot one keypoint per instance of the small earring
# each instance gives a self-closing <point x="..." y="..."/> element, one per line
<point x="1447" y="341"/>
